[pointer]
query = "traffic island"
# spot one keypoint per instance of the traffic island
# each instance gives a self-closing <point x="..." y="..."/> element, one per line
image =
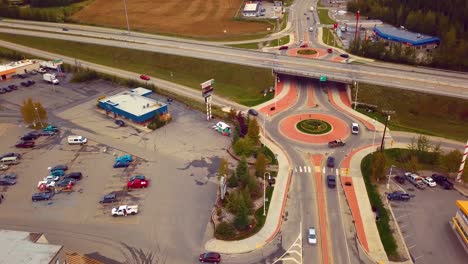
<point x="306" y="52"/>
<point x="314" y="126"/>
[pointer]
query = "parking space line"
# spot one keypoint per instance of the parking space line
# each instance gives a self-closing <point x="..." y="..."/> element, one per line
<point x="410" y="247"/>
<point x="418" y="257"/>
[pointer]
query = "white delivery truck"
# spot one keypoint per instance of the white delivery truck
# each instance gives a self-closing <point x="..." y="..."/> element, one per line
<point x="50" y="78"/>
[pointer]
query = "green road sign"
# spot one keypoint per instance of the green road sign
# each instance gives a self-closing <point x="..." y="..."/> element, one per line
<point x="323" y="78"/>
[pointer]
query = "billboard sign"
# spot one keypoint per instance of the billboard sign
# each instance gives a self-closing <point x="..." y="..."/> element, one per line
<point x="207" y="88"/>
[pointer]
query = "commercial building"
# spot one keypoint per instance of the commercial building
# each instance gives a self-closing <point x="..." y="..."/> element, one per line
<point x="28" y="248"/>
<point x="251" y="9"/>
<point x="459" y="223"/>
<point x="18" y="67"/>
<point x="134" y="105"/>
<point x="408" y="38"/>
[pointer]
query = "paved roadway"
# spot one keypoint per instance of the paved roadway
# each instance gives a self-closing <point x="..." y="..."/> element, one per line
<point x="412" y="78"/>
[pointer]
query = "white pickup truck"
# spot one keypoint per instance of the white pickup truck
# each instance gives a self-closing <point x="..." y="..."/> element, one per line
<point x="125" y="210"/>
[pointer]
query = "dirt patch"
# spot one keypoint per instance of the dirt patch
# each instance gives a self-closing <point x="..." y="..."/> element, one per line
<point x="196" y="18"/>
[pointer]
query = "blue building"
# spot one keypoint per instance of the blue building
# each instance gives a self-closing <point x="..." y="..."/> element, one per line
<point x="134" y="105"/>
<point x="401" y="35"/>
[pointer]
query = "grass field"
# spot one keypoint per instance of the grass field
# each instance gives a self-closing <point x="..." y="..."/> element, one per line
<point x="328" y="37"/>
<point x="324" y="18"/>
<point x="196" y="18"/>
<point x="242" y="84"/>
<point x="418" y="112"/>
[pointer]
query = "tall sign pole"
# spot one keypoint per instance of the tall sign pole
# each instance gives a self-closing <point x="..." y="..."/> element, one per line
<point x="207" y="90"/>
<point x="462" y="164"/>
<point x="126" y="16"/>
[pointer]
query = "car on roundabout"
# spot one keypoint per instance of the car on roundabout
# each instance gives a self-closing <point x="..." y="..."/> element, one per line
<point x="210" y="257"/>
<point x="336" y="143"/>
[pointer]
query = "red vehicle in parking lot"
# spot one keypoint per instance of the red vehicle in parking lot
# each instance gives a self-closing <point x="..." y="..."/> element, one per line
<point x="137" y="183"/>
<point x="25" y="144"/>
<point x="145" y="77"/>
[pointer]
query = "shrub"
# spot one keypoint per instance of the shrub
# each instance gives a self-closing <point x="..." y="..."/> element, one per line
<point x="233" y="181"/>
<point x="159" y="121"/>
<point x="85" y="76"/>
<point x="224" y="230"/>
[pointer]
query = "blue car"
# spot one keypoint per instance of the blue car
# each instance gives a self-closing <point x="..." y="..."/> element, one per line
<point x="121" y="164"/>
<point x="57" y="173"/>
<point x="124" y="158"/>
<point x="50" y="128"/>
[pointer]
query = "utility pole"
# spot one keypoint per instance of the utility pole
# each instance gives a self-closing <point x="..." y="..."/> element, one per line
<point x="126" y="16"/>
<point x="383" y="136"/>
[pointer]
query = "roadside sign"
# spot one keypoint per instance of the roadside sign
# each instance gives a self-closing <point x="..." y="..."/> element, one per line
<point x="323" y="78"/>
<point x="207" y="88"/>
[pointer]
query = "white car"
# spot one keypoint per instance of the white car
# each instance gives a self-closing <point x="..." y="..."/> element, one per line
<point x="312" y="236"/>
<point x="3" y="167"/>
<point x="52" y="178"/>
<point x="429" y="181"/>
<point x="125" y="210"/>
<point x="41" y="70"/>
<point x="355" y="128"/>
<point x="47" y="183"/>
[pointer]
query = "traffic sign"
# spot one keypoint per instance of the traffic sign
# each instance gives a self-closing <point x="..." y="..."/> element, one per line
<point x="323" y="78"/>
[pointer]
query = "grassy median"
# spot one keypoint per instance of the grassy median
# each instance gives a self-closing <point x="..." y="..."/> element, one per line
<point x="242" y="84"/>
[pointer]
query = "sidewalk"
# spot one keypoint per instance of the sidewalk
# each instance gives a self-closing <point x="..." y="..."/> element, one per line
<point x="275" y="211"/>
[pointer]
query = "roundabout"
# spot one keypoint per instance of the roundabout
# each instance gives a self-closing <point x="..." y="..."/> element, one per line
<point x="313" y="128"/>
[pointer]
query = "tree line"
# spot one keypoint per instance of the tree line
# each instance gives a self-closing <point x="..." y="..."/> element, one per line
<point x="445" y="19"/>
<point x="35" y="11"/>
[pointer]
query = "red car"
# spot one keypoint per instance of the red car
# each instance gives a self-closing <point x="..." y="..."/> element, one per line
<point x="283" y="48"/>
<point x="145" y="77"/>
<point x="329" y="50"/>
<point x="25" y="144"/>
<point x="137" y="183"/>
<point x="210" y="257"/>
<point x="304" y="45"/>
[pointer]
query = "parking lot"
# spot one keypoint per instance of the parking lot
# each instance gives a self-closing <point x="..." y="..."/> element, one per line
<point x="180" y="160"/>
<point x="424" y="222"/>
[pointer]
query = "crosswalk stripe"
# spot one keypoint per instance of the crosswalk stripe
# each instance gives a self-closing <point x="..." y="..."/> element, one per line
<point x="300" y="169"/>
<point x="310" y="170"/>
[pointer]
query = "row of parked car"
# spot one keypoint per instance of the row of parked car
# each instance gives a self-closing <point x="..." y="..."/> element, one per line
<point x="421" y="182"/>
<point x="28" y="140"/>
<point x="56" y="180"/>
<point x="7" y="160"/>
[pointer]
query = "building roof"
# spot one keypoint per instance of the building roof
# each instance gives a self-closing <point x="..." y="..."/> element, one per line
<point x="402" y="35"/>
<point x="132" y="103"/>
<point x="75" y="258"/>
<point x="6" y="69"/>
<point x="141" y="91"/>
<point x="17" y="247"/>
<point x="463" y="205"/>
<point x="251" y="7"/>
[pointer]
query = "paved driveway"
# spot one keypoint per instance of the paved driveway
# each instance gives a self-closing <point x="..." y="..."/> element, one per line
<point x="424" y="222"/>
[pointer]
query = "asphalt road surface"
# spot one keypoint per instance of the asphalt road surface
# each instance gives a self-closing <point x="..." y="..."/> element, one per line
<point x="404" y="77"/>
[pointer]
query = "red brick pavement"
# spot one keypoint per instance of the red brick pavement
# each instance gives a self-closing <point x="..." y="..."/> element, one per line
<point x="288" y="100"/>
<point x="366" y="123"/>
<point x="316" y="160"/>
<point x="340" y="129"/>
<point x="355" y="211"/>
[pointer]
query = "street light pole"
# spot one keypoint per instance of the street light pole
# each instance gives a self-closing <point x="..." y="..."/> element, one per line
<point x="355" y="96"/>
<point x="264" y="192"/>
<point x="126" y="16"/>
<point x="38" y="116"/>
<point x="390" y="175"/>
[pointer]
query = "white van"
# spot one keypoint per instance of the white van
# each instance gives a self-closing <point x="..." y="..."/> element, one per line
<point x="355" y="128"/>
<point x="9" y="161"/>
<point x="72" y="140"/>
